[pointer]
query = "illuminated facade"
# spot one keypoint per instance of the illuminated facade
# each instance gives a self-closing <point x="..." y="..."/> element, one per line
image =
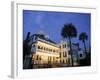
<point x="45" y="51"/>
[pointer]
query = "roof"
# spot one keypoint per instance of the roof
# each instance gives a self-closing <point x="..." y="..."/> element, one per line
<point x="41" y="36"/>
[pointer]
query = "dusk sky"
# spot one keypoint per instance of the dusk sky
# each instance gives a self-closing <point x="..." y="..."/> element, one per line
<point x="51" y="24"/>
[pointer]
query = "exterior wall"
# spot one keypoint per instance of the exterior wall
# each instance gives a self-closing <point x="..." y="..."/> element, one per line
<point x="64" y="56"/>
<point x="45" y="53"/>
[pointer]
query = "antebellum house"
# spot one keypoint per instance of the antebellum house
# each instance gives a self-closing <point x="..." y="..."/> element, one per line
<point x="44" y="51"/>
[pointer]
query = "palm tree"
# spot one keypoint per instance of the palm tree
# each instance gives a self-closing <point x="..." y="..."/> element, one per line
<point x="69" y="31"/>
<point x="83" y="37"/>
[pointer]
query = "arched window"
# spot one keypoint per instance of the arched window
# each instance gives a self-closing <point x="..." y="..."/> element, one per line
<point x="41" y="48"/>
<point x="38" y="47"/>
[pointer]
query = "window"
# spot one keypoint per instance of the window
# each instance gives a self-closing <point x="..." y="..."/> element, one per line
<point x="66" y="60"/>
<point x="65" y="45"/>
<point x="33" y="45"/>
<point x="37" y="57"/>
<point x="63" y="61"/>
<point x="63" y="54"/>
<point x="80" y="55"/>
<point x="44" y="48"/>
<point x="69" y="60"/>
<point x="41" y="47"/>
<point x="38" y="47"/>
<point x="50" y="50"/>
<point x="60" y="47"/>
<point x="60" y="54"/>
<point x="50" y="58"/>
<point x="69" y="52"/>
<point x="35" y="38"/>
<point x="53" y="50"/>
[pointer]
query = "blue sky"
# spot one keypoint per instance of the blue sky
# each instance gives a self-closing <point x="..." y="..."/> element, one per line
<point x="51" y="23"/>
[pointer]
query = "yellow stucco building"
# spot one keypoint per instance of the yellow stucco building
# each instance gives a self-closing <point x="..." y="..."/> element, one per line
<point x="45" y="51"/>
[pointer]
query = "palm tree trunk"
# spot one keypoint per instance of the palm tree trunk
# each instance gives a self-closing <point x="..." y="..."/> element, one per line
<point x="71" y="50"/>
